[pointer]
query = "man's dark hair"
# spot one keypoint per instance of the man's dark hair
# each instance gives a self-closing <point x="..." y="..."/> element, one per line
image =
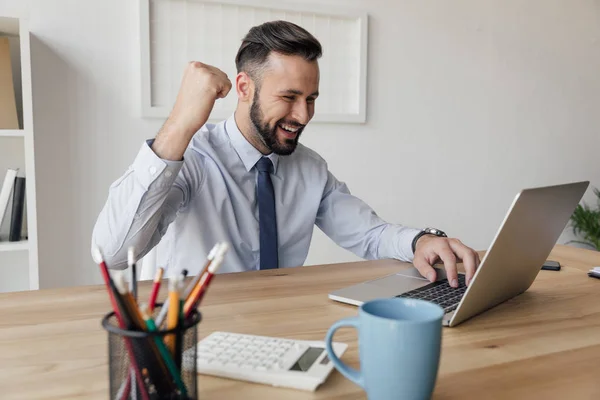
<point x="279" y="36"/>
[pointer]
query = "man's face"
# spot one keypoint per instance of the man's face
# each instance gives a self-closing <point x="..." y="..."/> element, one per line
<point x="285" y="101"/>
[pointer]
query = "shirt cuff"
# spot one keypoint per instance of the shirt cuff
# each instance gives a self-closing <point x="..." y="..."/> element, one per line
<point x="151" y="169"/>
<point x="396" y="242"/>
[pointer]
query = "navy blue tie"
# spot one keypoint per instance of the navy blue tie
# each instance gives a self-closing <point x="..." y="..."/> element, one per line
<point x="267" y="219"/>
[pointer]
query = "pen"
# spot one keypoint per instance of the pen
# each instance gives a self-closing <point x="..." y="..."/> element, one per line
<point x="131" y="262"/>
<point x="180" y="320"/>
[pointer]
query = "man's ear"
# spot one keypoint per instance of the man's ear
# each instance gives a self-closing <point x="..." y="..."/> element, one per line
<point x="244" y="87"/>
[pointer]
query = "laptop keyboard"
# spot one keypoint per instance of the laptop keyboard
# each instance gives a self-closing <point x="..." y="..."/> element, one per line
<point x="440" y="293"/>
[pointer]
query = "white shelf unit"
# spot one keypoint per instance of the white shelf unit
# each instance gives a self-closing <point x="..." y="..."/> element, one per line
<point x="14" y="246"/>
<point x="12" y="133"/>
<point x="19" y="260"/>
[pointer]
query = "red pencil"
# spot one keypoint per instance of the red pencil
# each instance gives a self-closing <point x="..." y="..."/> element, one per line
<point x="209" y="259"/>
<point x="97" y="254"/>
<point x="155" y="289"/>
<point x="196" y="295"/>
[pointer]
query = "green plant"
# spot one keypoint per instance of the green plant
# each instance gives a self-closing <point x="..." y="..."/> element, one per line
<point x="585" y="222"/>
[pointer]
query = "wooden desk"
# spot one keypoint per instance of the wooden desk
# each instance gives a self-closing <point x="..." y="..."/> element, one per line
<point x="543" y="344"/>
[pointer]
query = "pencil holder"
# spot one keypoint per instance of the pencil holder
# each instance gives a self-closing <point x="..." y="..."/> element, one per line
<point x="153" y="365"/>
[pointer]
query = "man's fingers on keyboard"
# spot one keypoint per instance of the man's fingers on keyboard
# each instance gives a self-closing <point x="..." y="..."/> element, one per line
<point x="468" y="256"/>
<point x="424" y="268"/>
<point x="449" y="260"/>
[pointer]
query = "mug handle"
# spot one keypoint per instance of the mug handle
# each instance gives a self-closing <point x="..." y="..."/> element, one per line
<point x="349" y="372"/>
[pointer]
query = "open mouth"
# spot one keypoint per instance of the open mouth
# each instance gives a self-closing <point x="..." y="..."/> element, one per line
<point x="289" y="131"/>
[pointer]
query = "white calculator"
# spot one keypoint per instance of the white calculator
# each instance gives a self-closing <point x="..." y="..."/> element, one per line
<point x="298" y="364"/>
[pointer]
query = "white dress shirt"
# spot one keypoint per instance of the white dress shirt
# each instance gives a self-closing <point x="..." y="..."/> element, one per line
<point x="210" y="196"/>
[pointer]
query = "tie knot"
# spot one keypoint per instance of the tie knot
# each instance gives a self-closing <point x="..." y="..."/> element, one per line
<point x="264" y="165"/>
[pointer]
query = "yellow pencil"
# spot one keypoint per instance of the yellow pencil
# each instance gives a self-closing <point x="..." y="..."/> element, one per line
<point x="173" y="313"/>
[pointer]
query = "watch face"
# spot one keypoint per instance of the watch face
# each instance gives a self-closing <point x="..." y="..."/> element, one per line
<point x="435" y="231"/>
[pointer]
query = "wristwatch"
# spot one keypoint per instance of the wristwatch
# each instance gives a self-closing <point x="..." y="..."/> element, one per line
<point x="427" y="231"/>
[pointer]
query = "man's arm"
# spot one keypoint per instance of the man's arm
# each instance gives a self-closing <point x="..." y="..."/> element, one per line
<point x="140" y="206"/>
<point x="146" y="199"/>
<point x="353" y="225"/>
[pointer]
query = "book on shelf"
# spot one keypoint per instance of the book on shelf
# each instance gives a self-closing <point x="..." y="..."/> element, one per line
<point x="12" y="206"/>
<point x="5" y="193"/>
<point x="18" y="206"/>
<point x="8" y="106"/>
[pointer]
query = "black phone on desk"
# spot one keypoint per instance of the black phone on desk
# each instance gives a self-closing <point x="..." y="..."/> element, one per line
<point x="550" y="265"/>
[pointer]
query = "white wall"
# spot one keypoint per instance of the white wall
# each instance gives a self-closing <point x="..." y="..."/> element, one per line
<point x="468" y="102"/>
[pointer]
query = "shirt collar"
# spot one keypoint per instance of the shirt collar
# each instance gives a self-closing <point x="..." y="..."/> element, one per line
<point x="247" y="153"/>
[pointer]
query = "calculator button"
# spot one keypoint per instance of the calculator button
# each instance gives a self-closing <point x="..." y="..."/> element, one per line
<point x="300" y="347"/>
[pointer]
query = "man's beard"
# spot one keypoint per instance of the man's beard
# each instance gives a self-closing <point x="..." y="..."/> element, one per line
<point x="269" y="134"/>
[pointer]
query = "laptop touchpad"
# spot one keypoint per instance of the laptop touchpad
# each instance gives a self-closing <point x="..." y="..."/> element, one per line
<point x="414" y="273"/>
<point x="400" y="283"/>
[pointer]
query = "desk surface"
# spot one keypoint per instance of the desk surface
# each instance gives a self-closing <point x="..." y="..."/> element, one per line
<point x="543" y="344"/>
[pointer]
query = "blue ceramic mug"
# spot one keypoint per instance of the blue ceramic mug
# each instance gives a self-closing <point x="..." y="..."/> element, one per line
<point x="399" y="343"/>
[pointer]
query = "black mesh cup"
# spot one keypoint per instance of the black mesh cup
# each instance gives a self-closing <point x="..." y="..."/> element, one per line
<point x="154" y="372"/>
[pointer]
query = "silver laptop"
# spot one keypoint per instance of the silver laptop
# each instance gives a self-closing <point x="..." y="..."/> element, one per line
<point x="528" y="233"/>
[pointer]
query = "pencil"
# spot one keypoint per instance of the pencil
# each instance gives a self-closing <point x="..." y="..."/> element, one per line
<point x="195" y="292"/>
<point x="97" y="255"/>
<point x="155" y="288"/>
<point x="136" y="318"/>
<point x="165" y="308"/>
<point x="209" y="259"/>
<point x="172" y="315"/>
<point x="173" y="370"/>
<point x="131" y="263"/>
<point x="196" y="296"/>
<point x="127" y="388"/>
<point x="147" y="346"/>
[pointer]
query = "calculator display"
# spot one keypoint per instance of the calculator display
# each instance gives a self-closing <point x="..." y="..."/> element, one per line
<point x="307" y="359"/>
